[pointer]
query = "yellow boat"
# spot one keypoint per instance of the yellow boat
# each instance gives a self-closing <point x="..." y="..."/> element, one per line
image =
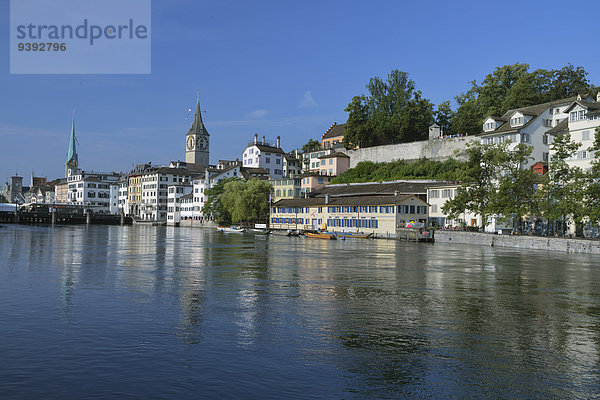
<point x="320" y="235"/>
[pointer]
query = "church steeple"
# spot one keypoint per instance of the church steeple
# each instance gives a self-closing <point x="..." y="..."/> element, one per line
<point x="197" y="140"/>
<point x="197" y="127"/>
<point x="72" y="158"/>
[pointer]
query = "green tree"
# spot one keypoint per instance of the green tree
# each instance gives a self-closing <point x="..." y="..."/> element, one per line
<point x="393" y="112"/>
<point x="3" y="199"/>
<point x="214" y="208"/>
<point x="592" y="190"/>
<point x="311" y="145"/>
<point x="478" y="176"/>
<point x="515" y="194"/>
<point x="569" y="81"/>
<point x="444" y="116"/>
<point x="563" y="192"/>
<point x="513" y="86"/>
<point x="245" y="201"/>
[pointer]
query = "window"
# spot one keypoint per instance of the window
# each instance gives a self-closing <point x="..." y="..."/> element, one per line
<point x="585" y="135"/>
<point x="545" y="156"/>
<point x="545" y="139"/>
<point x="322" y="162"/>
<point x="331" y="161"/>
<point x="412" y="209"/>
<point x="524" y="138"/>
<point x="434" y="208"/>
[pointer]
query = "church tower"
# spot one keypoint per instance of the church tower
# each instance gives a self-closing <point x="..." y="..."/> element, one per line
<point x="72" y="162"/>
<point x="196" y="141"/>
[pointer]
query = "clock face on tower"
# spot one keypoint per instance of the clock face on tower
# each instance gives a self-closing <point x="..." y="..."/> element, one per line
<point x="190" y="143"/>
<point x="203" y="143"/>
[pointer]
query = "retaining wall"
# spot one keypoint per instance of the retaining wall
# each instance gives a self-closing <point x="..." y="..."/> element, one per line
<point x="436" y="149"/>
<point x="588" y="246"/>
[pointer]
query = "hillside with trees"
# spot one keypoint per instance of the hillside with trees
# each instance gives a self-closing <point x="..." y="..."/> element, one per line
<point x="394" y="111"/>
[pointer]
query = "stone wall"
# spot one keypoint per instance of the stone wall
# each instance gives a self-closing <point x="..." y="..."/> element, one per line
<point x="436" y="149"/>
<point x="588" y="246"/>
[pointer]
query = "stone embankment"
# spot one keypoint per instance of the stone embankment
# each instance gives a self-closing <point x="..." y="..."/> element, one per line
<point x="435" y="149"/>
<point x="569" y="245"/>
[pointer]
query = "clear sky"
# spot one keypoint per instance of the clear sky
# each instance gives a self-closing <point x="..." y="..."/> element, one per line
<point x="277" y="68"/>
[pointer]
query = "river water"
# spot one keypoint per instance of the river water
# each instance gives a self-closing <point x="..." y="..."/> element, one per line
<point x="172" y="313"/>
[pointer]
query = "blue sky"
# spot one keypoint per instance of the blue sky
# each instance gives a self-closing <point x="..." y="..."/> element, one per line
<point x="276" y="68"/>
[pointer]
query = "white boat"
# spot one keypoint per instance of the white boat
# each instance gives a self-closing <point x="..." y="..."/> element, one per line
<point x="230" y="229"/>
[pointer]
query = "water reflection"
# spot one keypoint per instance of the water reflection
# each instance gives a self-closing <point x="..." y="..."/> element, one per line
<point x="362" y="318"/>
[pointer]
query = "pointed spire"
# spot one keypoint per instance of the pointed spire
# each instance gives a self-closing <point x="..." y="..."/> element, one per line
<point x="72" y="158"/>
<point x="198" y="126"/>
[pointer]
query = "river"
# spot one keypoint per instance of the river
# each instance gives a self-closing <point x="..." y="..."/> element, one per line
<point x="152" y="312"/>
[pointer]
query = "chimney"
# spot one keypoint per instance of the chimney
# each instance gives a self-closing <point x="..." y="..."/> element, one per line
<point x="598" y="97"/>
<point x="264" y="141"/>
<point x="278" y="141"/>
<point x="255" y="138"/>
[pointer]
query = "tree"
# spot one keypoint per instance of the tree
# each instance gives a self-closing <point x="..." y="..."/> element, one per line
<point x="393" y="112"/>
<point x="214" y="208"/>
<point x="592" y="191"/>
<point x="477" y="177"/>
<point x="564" y="189"/>
<point x="569" y="81"/>
<point x="311" y="145"/>
<point x="513" y="86"/>
<point x="443" y="117"/>
<point x="245" y="201"/>
<point x="3" y="199"/>
<point x="515" y="194"/>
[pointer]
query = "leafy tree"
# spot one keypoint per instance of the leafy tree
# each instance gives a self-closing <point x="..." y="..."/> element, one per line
<point x="569" y="81"/>
<point x="513" y="86"/>
<point x="393" y="112"/>
<point x="477" y="192"/>
<point x="3" y="199"/>
<point x="245" y="201"/>
<point x="444" y="116"/>
<point x="515" y="194"/>
<point x="311" y="145"/>
<point x="214" y="208"/>
<point x="592" y="191"/>
<point x="564" y="189"/>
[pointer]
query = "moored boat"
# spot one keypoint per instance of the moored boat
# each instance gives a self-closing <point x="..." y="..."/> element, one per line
<point x="354" y="235"/>
<point x="230" y="229"/>
<point x="320" y="235"/>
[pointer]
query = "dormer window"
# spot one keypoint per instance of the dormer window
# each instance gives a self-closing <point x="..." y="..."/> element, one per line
<point x="489" y="126"/>
<point x="516" y="121"/>
<point x="577" y="115"/>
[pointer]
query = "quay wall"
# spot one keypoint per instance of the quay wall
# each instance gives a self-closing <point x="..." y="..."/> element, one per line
<point x="569" y="245"/>
<point x="435" y="149"/>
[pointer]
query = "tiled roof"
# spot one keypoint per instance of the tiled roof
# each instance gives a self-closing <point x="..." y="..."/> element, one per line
<point x="371" y="189"/>
<point x="345" y="201"/>
<point x="334" y="130"/>
<point x="266" y="148"/>
<point x="334" y="155"/>
<point x="534" y="111"/>
<point x="562" y="127"/>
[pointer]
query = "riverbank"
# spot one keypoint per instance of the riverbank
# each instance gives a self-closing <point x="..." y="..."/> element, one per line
<point x="569" y="245"/>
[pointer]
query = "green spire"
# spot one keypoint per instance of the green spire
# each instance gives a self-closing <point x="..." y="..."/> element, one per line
<point x="72" y="159"/>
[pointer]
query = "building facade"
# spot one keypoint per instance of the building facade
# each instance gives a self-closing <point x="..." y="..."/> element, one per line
<point x="380" y="215"/>
<point x="264" y="155"/>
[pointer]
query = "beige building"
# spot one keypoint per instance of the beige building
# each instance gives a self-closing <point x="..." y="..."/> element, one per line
<point x="287" y="188"/>
<point x="312" y="181"/>
<point x="380" y="215"/>
<point x="437" y="195"/>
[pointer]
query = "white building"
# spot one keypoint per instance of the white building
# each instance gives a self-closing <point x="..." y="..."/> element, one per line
<point x="123" y="195"/>
<point x="264" y="155"/>
<point x="93" y="189"/>
<point x="180" y="204"/>
<point x="155" y="187"/>
<point x="527" y="125"/>
<point x="584" y="118"/>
